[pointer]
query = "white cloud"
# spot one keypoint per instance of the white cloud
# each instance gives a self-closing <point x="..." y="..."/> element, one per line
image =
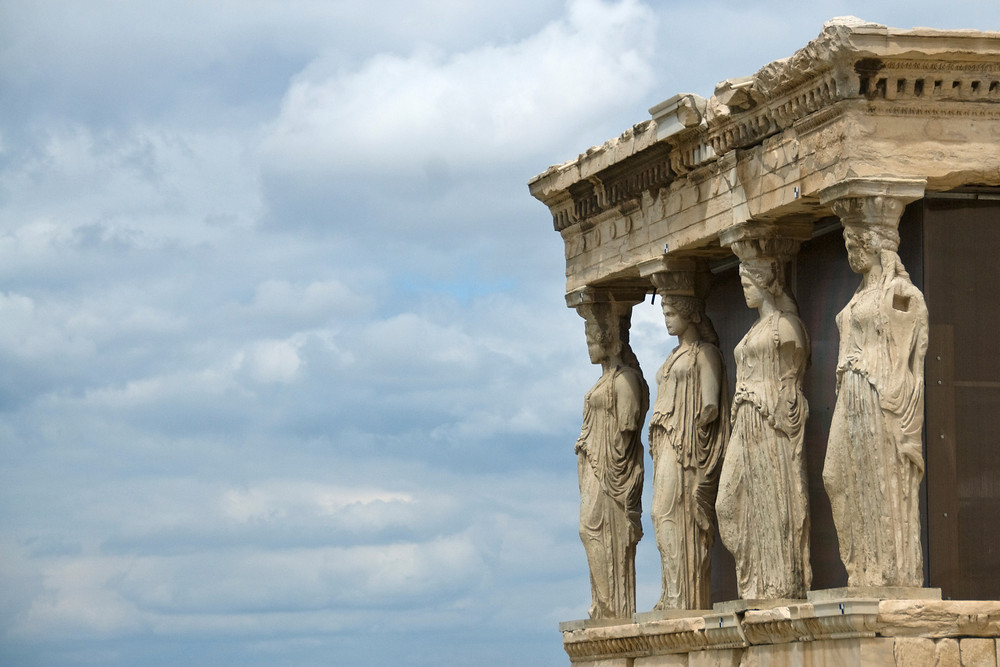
<point x="30" y="335"/>
<point x="274" y="361"/>
<point x="277" y="500"/>
<point x="79" y="598"/>
<point x="138" y="187"/>
<point x="435" y="110"/>
<point x="97" y="592"/>
<point x="317" y="299"/>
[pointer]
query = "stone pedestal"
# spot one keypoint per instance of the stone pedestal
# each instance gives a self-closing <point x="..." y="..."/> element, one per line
<point x="844" y="631"/>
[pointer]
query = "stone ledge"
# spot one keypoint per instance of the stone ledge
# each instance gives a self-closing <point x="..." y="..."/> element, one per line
<point x="875" y="593"/>
<point x="939" y="618"/>
<point x="724" y="630"/>
<point x="736" y="606"/>
<point x="665" y="614"/>
<point x="849" y="618"/>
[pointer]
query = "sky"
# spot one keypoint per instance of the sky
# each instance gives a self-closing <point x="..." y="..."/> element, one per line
<point x="286" y="373"/>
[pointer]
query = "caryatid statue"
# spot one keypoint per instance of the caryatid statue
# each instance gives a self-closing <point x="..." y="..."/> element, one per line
<point x="874" y="460"/>
<point x="687" y="438"/>
<point x="610" y="455"/>
<point x="763" y="504"/>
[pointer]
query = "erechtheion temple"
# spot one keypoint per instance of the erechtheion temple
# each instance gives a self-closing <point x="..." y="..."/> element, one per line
<point x="823" y="447"/>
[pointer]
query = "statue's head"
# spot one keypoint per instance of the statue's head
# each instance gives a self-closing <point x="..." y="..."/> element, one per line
<point x="681" y="312"/>
<point x="866" y="243"/>
<point x="760" y="281"/>
<point x="603" y="330"/>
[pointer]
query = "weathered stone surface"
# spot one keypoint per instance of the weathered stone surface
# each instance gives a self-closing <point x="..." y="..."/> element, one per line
<point x="727" y="657"/>
<point x="609" y="662"/>
<point x="939" y="618"/>
<point x="946" y="653"/>
<point x="680" y="635"/>
<point x="875" y="593"/>
<point x="669" y="614"/>
<point x="915" y="651"/>
<point x="841" y="619"/>
<point x="830" y="653"/>
<point x="774" y="626"/>
<point x="848" y="632"/>
<point x="734" y="606"/>
<point x="977" y="651"/>
<point x="674" y="660"/>
<point x="600" y="643"/>
<point x="724" y="631"/>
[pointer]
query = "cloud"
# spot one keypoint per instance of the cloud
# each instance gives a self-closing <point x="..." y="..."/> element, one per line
<point x="136" y="187"/>
<point x="110" y="61"/>
<point x="316" y="584"/>
<point x="285" y="369"/>
<point x="439" y="112"/>
<point x="318" y="299"/>
<point x="250" y="427"/>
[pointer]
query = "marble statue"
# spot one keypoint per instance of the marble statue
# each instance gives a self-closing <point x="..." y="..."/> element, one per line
<point x="763" y="500"/>
<point x="874" y="462"/>
<point x="687" y="439"/>
<point x="609" y="463"/>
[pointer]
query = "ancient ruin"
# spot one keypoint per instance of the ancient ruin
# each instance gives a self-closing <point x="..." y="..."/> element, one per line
<point x="831" y="394"/>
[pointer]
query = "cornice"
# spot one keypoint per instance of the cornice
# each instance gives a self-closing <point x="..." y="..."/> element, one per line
<point x="918" y="72"/>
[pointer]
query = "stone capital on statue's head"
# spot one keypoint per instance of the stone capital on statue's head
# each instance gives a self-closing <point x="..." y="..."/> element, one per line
<point x="678" y="276"/>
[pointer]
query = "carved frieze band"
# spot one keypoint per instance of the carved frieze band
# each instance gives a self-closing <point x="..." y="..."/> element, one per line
<point x="904" y="82"/>
<point x="621" y="188"/>
<point x="774" y="115"/>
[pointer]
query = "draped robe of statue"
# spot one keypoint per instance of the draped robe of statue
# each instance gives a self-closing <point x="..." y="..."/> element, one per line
<point x="611" y="473"/>
<point x="686" y="462"/>
<point x="763" y="502"/>
<point x="874" y="462"/>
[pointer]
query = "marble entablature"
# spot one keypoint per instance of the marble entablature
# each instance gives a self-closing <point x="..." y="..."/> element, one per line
<point x="860" y="101"/>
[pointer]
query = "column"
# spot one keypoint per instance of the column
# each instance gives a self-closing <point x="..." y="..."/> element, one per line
<point x="609" y="450"/>
<point x="763" y="503"/>
<point x="874" y="460"/>
<point x="688" y="432"/>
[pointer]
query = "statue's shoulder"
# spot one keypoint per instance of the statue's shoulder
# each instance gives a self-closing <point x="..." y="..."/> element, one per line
<point x="790" y="328"/>
<point x="628" y="377"/>
<point x="711" y="354"/>
<point x="905" y="297"/>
